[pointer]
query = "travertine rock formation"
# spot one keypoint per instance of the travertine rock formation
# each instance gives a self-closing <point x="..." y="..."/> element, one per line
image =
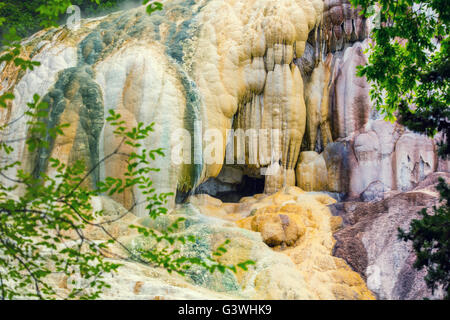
<point x="204" y="69"/>
<point x="298" y="225"/>
<point x="415" y="158"/>
<point x="282" y="74"/>
<point x="312" y="172"/>
<point x="317" y="95"/>
<point x="253" y="65"/>
<point x="383" y="153"/>
<point x="349" y="94"/>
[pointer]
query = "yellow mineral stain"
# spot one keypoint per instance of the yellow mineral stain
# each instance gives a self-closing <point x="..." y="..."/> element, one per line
<point x="299" y="225"/>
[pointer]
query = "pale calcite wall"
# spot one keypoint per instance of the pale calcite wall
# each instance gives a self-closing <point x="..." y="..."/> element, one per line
<point x="53" y="57"/>
<point x="208" y="62"/>
<point x="311" y="172"/>
<point x="317" y="94"/>
<point x="124" y="79"/>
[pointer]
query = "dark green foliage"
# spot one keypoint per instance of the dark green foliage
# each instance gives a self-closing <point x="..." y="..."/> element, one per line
<point x="153" y="6"/>
<point x="409" y="64"/>
<point x="431" y="241"/>
<point x="30" y="16"/>
<point x="20" y="15"/>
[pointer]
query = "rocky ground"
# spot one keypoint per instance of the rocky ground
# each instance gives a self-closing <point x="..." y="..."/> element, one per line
<point x="305" y="245"/>
<point x="289" y="236"/>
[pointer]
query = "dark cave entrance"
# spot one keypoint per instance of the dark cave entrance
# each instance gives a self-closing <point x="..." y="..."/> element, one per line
<point x="247" y="188"/>
<point x="251" y="186"/>
<point x="226" y="188"/>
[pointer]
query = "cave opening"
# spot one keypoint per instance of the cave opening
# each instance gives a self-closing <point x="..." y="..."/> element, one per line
<point x="252" y="186"/>
<point x="247" y="188"/>
<point x="230" y="186"/>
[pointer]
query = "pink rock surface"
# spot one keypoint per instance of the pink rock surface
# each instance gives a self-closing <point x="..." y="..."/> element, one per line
<point x="342" y="24"/>
<point x="415" y="158"/>
<point x="349" y="94"/>
<point x="370" y="245"/>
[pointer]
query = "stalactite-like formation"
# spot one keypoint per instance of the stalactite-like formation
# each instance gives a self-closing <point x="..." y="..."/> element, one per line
<point x="342" y="24"/>
<point x="272" y="101"/>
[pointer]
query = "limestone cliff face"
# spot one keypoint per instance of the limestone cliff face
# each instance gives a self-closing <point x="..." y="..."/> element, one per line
<point x="283" y="70"/>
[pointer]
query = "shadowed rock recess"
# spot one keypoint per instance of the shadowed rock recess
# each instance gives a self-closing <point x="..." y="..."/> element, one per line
<point x="265" y="65"/>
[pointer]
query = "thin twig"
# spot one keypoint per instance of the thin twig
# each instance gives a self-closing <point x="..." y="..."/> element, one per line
<point x="92" y="170"/>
